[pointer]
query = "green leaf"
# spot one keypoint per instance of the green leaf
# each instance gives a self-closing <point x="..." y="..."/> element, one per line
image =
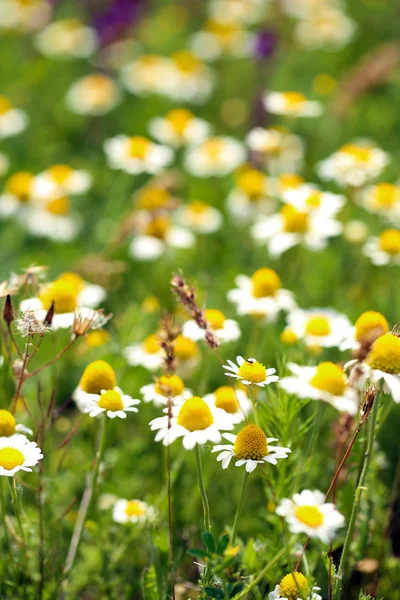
<point x="149" y="584"/>
<point x="222" y="543"/>
<point x="199" y="552"/>
<point x="238" y="587"/>
<point x="214" y="592"/>
<point x="208" y="540"/>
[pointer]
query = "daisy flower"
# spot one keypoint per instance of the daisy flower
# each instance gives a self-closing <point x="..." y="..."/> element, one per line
<point x="261" y="295"/>
<point x="97" y="377"/>
<point x="12" y="120"/>
<point x="93" y="95"/>
<point x="214" y="157"/>
<point x="291" y="227"/>
<point x="251" y="195"/>
<point x="196" y="421"/>
<point x="384" y="249"/>
<point x="187" y="354"/>
<point x="178" y="128"/>
<point x="250" y="372"/>
<point x="234" y="401"/>
<point x="219" y="37"/>
<point x="113" y="402"/>
<point x="132" y="511"/>
<point x="319" y="326"/>
<point x="294" y="586"/>
<point x="167" y="386"/>
<point x="190" y="79"/>
<point x="147" y="74"/>
<point x="327" y="27"/>
<point x="157" y="233"/>
<point x="18" y="454"/>
<point x="247" y="12"/>
<point x="9" y="426"/>
<point x="51" y="219"/>
<point x="382" y="199"/>
<point x="308" y="197"/>
<point x="19" y="15"/>
<point x="308" y="513"/>
<point x="326" y="382"/>
<point x="68" y="38"/>
<point x="369" y="326"/>
<point x="292" y="104"/>
<point x="147" y="354"/>
<point x="354" y="164"/>
<point x="225" y="330"/>
<point x="136" y="154"/>
<point x="200" y="217"/>
<point x="281" y="150"/>
<point x="16" y="194"/>
<point x="59" y="180"/>
<point x="250" y="448"/>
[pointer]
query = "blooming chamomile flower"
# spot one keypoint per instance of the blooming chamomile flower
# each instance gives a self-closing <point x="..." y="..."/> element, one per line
<point x="147" y="74"/>
<point x="261" y="295"/>
<point x="384" y="249"/>
<point x="327" y="382"/>
<point x="93" y="95"/>
<point x="251" y="195"/>
<point x="167" y="386"/>
<point x="292" y="104"/>
<point x="23" y="15"/>
<point x="233" y="400"/>
<point x="219" y="37"/>
<point x="156" y="233"/>
<point x="280" y="150"/>
<point x="132" y="511"/>
<point x="196" y="421"/>
<point x="250" y="447"/>
<point x="369" y="326"/>
<point x="199" y="217"/>
<point x="136" y="154"/>
<point x="250" y="372"/>
<point x="308" y="513"/>
<point x="307" y="197"/>
<point x="60" y="180"/>
<point x="113" y="402"/>
<point x="51" y="218"/>
<point x="17" y="453"/>
<point x="214" y="157"/>
<point x="190" y="79"/>
<point x="179" y="127"/>
<point x="187" y="355"/>
<point x="12" y="120"/>
<point x="9" y="426"/>
<point x="67" y="38"/>
<point x="354" y="164"/>
<point x="225" y="330"/>
<point x="327" y="27"/>
<point x="147" y="354"/>
<point x="16" y="194"/>
<point x="238" y="11"/>
<point x="382" y="199"/>
<point x="97" y="376"/>
<point x="323" y="327"/>
<point x="294" y="586"/>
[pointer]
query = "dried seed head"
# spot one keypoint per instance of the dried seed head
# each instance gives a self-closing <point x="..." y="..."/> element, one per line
<point x="28" y="324"/>
<point x="86" y="319"/>
<point x="368" y="403"/>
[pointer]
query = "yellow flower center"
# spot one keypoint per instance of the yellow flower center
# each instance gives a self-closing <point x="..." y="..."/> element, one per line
<point x="158" y="227"/>
<point x="62" y="293"/>
<point x="251" y="443"/>
<point x="198" y="208"/>
<point x="5" y="105"/>
<point x="266" y="282"/>
<point x="60" y="173"/>
<point x="19" y="185"/>
<point x="138" y="147"/>
<point x="186" y="61"/>
<point x="7" y="423"/>
<point x="290" y="181"/>
<point x="152" y="197"/>
<point x="225" y="398"/>
<point x="179" y="118"/>
<point x="73" y="279"/>
<point x="385" y="354"/>
<point x="318" y="326"/>
<point x="97" y="376"/>
<point x="151" y="345"/>
<point x="288" y="337"/>
<point x="99" y="89"/>
<point x="293" y="99"/>
<point x="58" y="206"/>
<point x="314" y="199"/>
<point x="293" y="586"/>
<point x="150" y="304"/>
<point x="111" y="400"/>
<point x="223" y="31"/>
<point x="11" y="458"/>
<point x="309" y="515"/>
<point x="252" y="371"/>
<point x="294" y="221"/>
<point x="386" y="194"/>
<point x="185" y="348"/>
<point x="389" y="241"/>
<point x="215" y="318"/>
<point x="369" y="323"/>
<point x="213" y="147"/>
<point x="329" y="378"/>
<point x="134" y="509"/>
<point x="195" y="415"/>
<point x="170" y="386"/>
<point x="97" y="338"/>
<point x="252" y="183"/>
<point x="359" y="153"/>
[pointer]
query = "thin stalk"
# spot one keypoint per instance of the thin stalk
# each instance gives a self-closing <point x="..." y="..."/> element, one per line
<point x="54" y="359"/>
<point x="12" y="338"/>
<point x="17" y="508"/>
<point x="239" y="506"/>
<point x="170" y="525"/>
<point x="357" y="497"/>
<point x="22" y="375"/>
<point x="254" y="405"/>
<point x="100" y="454"/>
<point x="260" y="576"/>
<point x="206" y="506"/>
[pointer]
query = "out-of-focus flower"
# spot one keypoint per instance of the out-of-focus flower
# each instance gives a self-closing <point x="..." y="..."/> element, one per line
<point x="179" y="127"/>
<point x="383" y="199"/>
<point x="60" y="180"/>
<point x="51" y="218"/>
<point x="20" y="15"/>
<point x="147" y="74"/>
<point x="261" y="295"/>
<point x="136" y="154"/>
<point x="354" y="164"/>
<point x="17" y="453"/>
<point x="368" y="327"/>
<point x="281" y="150"/>
<point x="238" y="11"/>
<point x="218" y="38"/>
<point x="355" y="232"/>
<point x="323" y="327"/>
<point x="94" y="95"/>
<point x="133" y="511"/>
<point x="191" y="79"/>
<point x="113" y="402"/>
<point x="167" y="386"/>
<point x="187" y="354"/>
<point x="265" y="43"/>
<point x="308" y="197"/>
<point x="155" y="234"/>
<point x="147" y="354"/>
<point x="233" y="400"/>
<point x="9" y="426"/>
<point x="68" y="38"/>
<point x="384" y="249"/>
<point x="97" y="376"/>
<point x="12" y="120"/>
<point x="215" y="157"/>
<point x="292" y="104"/>
<point x="327" y="27"/>
<point x="251" y="196"/>
<point x="16" y="193"/>
<point x="200" y="217"/>
<point x="225" y="330"/>
<point x="308" y="513"/>
<point x="250" y="372"/>
<point x="88" y="319"/>
<point x="294" y="586"/>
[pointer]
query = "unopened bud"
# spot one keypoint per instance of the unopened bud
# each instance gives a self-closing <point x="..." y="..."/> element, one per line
<point x="8" y="311"/>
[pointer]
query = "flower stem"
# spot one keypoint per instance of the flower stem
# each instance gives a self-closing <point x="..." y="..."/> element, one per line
<point x="253" y="402"/>
<point x="17" y="508"/>
<point x="99" y="456"/>
<point x="357" y="497"/>
<point x="260" y="576"/>
<point x="239" y="507"/>
<point x="206" y="506"/>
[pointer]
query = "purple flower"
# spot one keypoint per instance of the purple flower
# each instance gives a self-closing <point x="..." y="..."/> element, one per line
<point x="265" y="44"/>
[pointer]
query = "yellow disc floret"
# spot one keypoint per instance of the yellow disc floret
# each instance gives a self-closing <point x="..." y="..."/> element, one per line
<point x="5" y="105"/>
<point x="294" y="221"/>
<point x="19" y="185"/>
<point x="329" y="378"/>
<point x="179" y="118"/>
<point x="11" y="458"/>
<point x="62" y="293"/>
<point x="185" y="348"/>
<point x="252" y="183"/>
<point x="215" y="318"/>
<point x="75" y="280"/>
<point x="293" y="586"/>
<point x="134" y="509"/>
<point x="370" y="323"/>
<point x="266" y="282"/>
<point x="318" y="326"/>
<point x="385" y="354"/>
<point x="170" y="386"/>
<point x="7" y="423"/>
<point x="359" y="153"/>
<point x="195" y="415"/>
<point x="225" y="398"/>
<point x="97" y="338"/>
<point x="152" y="197"/>
<point x="386" y="194"/>
<point x="97" y="376"/>
<point x="294" y="99"/>
<point x="151" y="344"/>
<point x="60" y="173"/>
<point x="138" y="147"/>
<point x="58" y="206"/>
<point x="253" y="371"/>
<point x="251" y="443"/>
<point x="111" y="400"/>
<point x="389" y="242"/>
<point x="309" y="515"/>
<point x="288" y="337"/>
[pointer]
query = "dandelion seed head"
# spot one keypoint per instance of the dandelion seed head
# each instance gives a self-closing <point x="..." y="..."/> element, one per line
<point x="28" y="324"/>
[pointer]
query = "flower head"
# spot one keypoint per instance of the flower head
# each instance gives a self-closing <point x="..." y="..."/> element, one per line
<point x="294" y="586"/>
<point x="250" y="372"/>
<point x="132" y="511"/>
<point x="111" y="401"/>
<point x="9" y="427"/>
<point x="18" y="454"/>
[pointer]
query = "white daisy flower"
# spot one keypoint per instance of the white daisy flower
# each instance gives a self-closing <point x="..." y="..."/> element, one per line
<point x="147" y="74"/>
<point x="178" y="128"/>
<point x="308" y="513"/>
<point x="238" y="11"/>
<point x="68" y="38"/>
<point x="93" y="95"/>
<point x="319" y="326"/>
<point x="19" y="15"/>
<point x="157" y="233"/>
<point x="251" y="196"/>
<point x="281" y="150"/>
<point x="369" y="326"/>
<point x="326" y="382"/>
<point x="196" y="421"/>
<point x="382" y="199"/>
<point x="167" y="386"/>
<point x="250" y="372"/>
<point x="219" y="37"/>
<point x="250" y="447"/>
<point x="16" y="195"/>
<point x="261" y="295"/>
<point x="9" y="426"/>
<point x="190" y="79"/>
<point x="233" y="400"/>
<point x="292" y="104"/>
<point x="52" y="221"/>
<point x="214" y="157"/>
<point x="292" y="586"/>
<point x="200" y="217"/>
<point x="12" y="120"/>
<point x="354" y="164"/>
<point x="97" y="376"/>
<point x="17" y="453"/>
<point x="385" y="249"/>
<point x="308" y="197"/>
<point x="147" y="354"/>
<point x="60" y="180"/>
<point x="133" y="511"/>
<point x="327" y="27"/>
<point x="113" y="402"/>
<point x="225" y="330"/>
<point x="136" y="154"/>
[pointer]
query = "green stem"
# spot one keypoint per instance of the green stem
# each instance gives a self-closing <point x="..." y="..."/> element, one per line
<point x="260" y="576"/>
<point x="16" y="505"/>
<point x="206" y="506"/>
<point x="357" y="498"/>
<point x="239" y="507"/>
<point x="253" y="402"/>
<point x="99" y="456"/>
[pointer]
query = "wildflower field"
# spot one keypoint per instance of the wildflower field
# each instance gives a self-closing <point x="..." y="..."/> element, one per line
<point x="200" y="355"/>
